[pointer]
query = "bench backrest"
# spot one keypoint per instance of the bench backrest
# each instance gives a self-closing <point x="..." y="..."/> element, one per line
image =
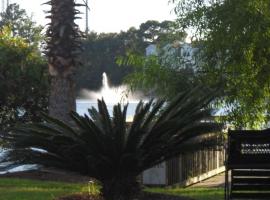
<point x="248" y="149"/>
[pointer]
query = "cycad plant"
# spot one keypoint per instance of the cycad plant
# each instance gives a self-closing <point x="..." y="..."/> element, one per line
<point x="108" y="148"/>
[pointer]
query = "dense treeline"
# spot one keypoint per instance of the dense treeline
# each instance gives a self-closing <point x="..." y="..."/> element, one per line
<point x="102" y="50"/>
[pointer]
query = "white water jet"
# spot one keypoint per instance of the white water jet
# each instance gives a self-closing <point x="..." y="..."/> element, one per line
<point x="105" y="82"/>
<point x="111" y="95"/>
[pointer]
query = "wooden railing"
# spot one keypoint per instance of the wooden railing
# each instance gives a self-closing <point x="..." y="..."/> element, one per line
<point x="187" y="168"/>
<point x="192" y="167"/>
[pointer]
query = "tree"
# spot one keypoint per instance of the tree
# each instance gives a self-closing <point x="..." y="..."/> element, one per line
<point x="234" y="37"/>
<point x="154" y="32"/>
<point x="63" y="48"/>
<point x="170" y="70"/>
<point x="21" y="24"/>
<point x="23" y="81"/>
<point x="99" y="55"/>
<point x="110" y="150"/>
<point x="102" y="50"/>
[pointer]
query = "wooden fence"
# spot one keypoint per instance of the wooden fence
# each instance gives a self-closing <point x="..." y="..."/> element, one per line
<point x="195" y="166"/>
<point x="187" y="168"/>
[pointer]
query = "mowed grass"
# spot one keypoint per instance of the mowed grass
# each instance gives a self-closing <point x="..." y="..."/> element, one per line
<point x="22" y="189"/>
<point x="194" y="193"/>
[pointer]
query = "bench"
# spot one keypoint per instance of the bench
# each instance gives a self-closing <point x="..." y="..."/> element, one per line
<point x="247" y="174"/>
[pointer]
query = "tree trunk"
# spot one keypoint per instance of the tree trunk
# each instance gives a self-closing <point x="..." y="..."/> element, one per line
<point x="63" y="49"/>
<point x="121" y="188"/>
<point x="62" y="97"/>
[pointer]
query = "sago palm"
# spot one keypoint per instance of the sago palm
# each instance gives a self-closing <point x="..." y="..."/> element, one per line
<point x="108" y="148"/>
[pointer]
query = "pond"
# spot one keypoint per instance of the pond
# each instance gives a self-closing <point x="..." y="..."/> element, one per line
<point x="82" y="108"/>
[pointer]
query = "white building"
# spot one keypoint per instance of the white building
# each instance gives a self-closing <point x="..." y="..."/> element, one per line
<point x="178" y="55"/>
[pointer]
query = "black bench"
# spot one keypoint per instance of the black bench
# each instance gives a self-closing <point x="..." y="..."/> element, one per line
<point x="247" y="164"/>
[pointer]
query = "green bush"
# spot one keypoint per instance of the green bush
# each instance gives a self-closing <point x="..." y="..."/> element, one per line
<point x="23" y="80"/>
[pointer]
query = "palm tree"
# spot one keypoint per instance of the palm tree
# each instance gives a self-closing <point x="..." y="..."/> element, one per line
<point x="62" y="51"/>
<point x="110" y="150"/>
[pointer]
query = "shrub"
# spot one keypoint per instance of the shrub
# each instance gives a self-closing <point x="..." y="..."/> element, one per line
<point x="107" y="148"/>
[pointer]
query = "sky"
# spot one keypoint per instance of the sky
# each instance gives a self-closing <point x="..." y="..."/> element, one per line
<point x="110" y="15"/>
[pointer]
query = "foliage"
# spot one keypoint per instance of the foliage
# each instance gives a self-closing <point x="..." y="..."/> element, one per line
<point x="154" y="32"/>
<point x="235" y="39"/>
<point x="23" y="82"/>
<point x="165" y="73"/>
<point x="111" y="150"/>
<point x="102" y="50"/>
<point x="63" y="43"/>
<point x="21" y="24"/>
<point x="99" y="55"/>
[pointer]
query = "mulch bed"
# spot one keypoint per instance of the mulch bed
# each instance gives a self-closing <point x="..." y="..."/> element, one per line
<point x="145" y="196"/>
<point x="155" y="196"/>
<point x="80" y="197"/>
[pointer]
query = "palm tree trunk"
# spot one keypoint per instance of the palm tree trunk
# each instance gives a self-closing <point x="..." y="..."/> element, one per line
<point x="62" y="97"/>
<point x="63" y="48"/>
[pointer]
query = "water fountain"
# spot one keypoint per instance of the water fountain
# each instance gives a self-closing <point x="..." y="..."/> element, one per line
<point x="111" y="95"/>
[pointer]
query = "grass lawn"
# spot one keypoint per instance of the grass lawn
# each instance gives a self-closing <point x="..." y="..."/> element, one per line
<point x="22" y="189"/>
<point x="195" y="193"/>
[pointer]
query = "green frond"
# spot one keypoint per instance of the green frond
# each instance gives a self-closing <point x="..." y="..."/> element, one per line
<point x="107" y="147"/>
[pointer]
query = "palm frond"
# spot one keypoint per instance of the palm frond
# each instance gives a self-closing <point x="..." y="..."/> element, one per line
<point x="107" y="147"/>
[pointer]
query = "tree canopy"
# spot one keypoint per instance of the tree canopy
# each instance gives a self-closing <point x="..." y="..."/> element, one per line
<point x="155" y="32"/>
<point x="234" y="37"/>
<point x="167" y="69"/>
<point x="99" y="55"/>
<point x="23" y="82"/>
<point x="23" y="76"/>
<point x="165" y="73"/>
<point x="102" y="50"/>
<point x="21" y="24"/>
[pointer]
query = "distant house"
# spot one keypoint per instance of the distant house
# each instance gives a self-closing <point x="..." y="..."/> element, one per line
<point x="178" y="55"/>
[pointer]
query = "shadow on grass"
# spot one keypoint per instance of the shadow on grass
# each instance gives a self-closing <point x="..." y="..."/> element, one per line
<point x="194" y="193"/>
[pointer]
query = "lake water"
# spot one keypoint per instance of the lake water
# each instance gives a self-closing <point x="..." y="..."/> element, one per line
<point x="82" y="108"/>
<point x="84" y="105"/>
